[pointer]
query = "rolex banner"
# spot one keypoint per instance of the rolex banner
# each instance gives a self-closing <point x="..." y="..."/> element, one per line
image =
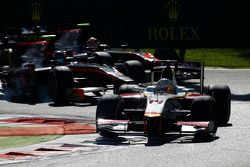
<point x="139" y="23"/>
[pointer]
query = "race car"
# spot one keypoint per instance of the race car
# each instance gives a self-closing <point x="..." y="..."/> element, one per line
<point x="183" y="70"/>
<point x="28" y="60"/>
<point x="162" y="108"/>
<point x="66" y="78"/>
<point x="95" y="52"/>
<point x="62" y="84"/>
<point x="80" y="81"/>
<point x="37" y="62"/>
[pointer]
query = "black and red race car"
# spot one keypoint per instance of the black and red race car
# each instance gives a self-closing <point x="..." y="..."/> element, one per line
<point x="163" y="108"/>
<point x="183" y="70"/>
<point x="78" y="82"/>
<point x="26" y="60"/>
<point x="70" y="82"/>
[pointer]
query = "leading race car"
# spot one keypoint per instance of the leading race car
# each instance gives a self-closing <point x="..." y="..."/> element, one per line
<point x="162" y="108"/>
<point x="183" y="70"/>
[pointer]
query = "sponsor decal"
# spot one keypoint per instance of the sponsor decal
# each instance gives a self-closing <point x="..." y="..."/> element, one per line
<point x="173" y="9"/>
<point x="173" y="30"/>
<point x="152" y="114"/>
<point x="36" y="9"/>
<point x="197" y="124"/>
<point x="109" y="121"/>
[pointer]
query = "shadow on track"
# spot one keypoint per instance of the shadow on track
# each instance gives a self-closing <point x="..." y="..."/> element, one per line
<point x="155" y="141"/>
<point x="169" y="138"/>
<point x="244" y="97"/>
<point x="43" y="98"/>
<point x="86" y="103"/>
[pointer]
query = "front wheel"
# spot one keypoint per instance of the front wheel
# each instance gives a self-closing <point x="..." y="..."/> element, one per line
<point x="60" y="84"/>
<point x="109" y="107"/>
<point x="135" y="70"/>
<point x="203" y="108"/>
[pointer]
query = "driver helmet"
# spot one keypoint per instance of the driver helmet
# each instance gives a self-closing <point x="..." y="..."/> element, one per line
<point x="166" y="85"/>
<point x="92" y="43"/>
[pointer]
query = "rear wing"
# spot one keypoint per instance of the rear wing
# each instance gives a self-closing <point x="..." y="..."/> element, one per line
<point x="182" y="70"/>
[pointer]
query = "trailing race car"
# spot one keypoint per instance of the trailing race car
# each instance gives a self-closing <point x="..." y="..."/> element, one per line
<point x="29" y="65"/>
<point x="67" y="78"/>
<point x="71" y="82"/>
<point x="165" y="107"/>
<point x="77" y="82"/>
<point x="47" y="64"/>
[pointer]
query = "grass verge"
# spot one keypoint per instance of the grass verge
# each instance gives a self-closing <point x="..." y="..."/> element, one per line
<point x="218" y="57"/>
<point x="227" y="58"/>
<point x="18" y="141"/>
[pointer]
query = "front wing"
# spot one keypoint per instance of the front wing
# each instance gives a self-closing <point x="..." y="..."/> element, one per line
<point x="125" y="126"/>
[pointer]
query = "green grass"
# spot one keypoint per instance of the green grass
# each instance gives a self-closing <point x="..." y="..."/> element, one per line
<point x="18" y="141"/>
<point x="227" y="58"/>
<point x="215" y="57"/>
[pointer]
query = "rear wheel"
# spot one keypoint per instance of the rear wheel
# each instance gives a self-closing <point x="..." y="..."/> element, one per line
<point x="132" y="102"/>
<point x="222" y="96"/>
<point x="109" y="107"/>
<point x="103" y="58"/>
<point x="166" y="54"/>
<point x="135" y="70"/>
<point x="60" y="84"/>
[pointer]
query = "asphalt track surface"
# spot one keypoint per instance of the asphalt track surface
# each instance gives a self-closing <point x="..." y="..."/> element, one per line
<point x="230" y="147"/>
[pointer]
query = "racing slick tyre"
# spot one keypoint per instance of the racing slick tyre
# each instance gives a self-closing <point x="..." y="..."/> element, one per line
<point x="222" y="96"/>
<point x="60" y="84"/>
<point x="127" y="88"/>
<point x="109" y="107"/>
<point x="135" y="70"/>
<point x="166" y="54"/>
<point x="103" y="58"/>
<point x="132" y="102"/>
<point x="203" y="108"/>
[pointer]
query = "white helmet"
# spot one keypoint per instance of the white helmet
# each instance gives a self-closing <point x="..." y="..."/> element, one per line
<point x="166" y="85"/>
<point x="92" y="43"/>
